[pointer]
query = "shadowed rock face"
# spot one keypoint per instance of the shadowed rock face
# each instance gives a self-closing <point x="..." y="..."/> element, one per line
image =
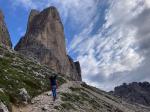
<point x="77" y="65"/>
<point x="45" y="41"/>
<point x="4" y="34"/>
<point x="134" y="92"/>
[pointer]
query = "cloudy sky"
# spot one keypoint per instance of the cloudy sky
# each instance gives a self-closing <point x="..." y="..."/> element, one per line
<point x="110" y="38"/>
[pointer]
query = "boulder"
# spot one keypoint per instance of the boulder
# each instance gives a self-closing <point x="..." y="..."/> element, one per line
<point x="3" y="108"/>
<point x="24" y="95"/>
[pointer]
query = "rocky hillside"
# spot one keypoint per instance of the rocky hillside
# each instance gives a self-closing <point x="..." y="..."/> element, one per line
<point x="76" y="96"/>
<point x="45" y="41"/>
<point x="134" y="92"/>
<point x="21" y="79"/>
<point x="24" y="87"/>
<point x="4" y="34"/>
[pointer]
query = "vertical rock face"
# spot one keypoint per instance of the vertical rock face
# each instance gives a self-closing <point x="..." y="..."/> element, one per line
<point x="4" y="34"/>
<point x="77" y="65"/>
<point x="45" y="41"/>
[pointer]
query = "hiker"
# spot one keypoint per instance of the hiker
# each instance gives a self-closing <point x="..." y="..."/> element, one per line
<point x="54" y="86"/>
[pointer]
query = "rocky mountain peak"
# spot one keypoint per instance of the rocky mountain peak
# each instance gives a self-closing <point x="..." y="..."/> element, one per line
<point x="52" y="12"/>
<point x="4" y="34"/>
<point x="45" y="41"/>
<point x="33" y="13"/>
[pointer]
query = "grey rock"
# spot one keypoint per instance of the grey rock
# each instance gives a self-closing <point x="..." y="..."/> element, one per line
<point x="1" y="90"/>
<point x="32" y="101"/>
<point x="45" y="108"/>
<point x="24" y="95"/>
<point x="48" y="94"/>
<point x="3" y="108"/>
<point x="78" y="68"/>
<point x="75" y="69"/>
<point x="45" y="41"/>
<point x="4" y="34"/>
<point x="134" y="92"/>
<point x="33" y="13"/>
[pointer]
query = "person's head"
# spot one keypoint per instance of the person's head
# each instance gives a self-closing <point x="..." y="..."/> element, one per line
<point x="54" y="75"/>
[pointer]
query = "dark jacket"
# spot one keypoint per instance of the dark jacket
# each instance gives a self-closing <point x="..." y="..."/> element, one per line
<point x="53" y="81"/>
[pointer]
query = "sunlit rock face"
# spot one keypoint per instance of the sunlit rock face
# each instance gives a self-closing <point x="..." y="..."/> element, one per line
<point x="45" y="41"/>
<point x="4" y="34"/>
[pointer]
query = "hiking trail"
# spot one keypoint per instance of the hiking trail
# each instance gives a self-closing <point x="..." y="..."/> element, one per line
<point x="44" y="102"/>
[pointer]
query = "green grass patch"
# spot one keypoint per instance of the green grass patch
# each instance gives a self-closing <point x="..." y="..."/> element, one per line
<point x="61" y="80"/>
<point x="67" y="106"/>
<point x="17" y="72"/>
<point x="80" y="97"/>
<point x="70" y="97"/>
<point x="75" y="89"/>
<point x="4" y="98"/>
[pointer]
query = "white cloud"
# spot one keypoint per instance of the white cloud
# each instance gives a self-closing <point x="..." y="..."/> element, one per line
<point x="76" y="9"/>
<point x="147" y="3"/>
<point x="115" y="46"/>
<point x="26" y="3"/>
<point x="122" y="11"/>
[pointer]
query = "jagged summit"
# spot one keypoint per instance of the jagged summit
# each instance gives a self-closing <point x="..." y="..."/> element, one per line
<point x="45" y="41"/>
<point x="33" y="13"/>
<point x="53" y="11"/>
<point x="4" y="34"/>
<point x="134" y="92"/>
<point x="44" y="17"/>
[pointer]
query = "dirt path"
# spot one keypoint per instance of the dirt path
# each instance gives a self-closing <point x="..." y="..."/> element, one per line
<point x="44" y="102"/>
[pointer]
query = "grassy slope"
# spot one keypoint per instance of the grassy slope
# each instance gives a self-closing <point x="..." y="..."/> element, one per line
<point x="85" y="98"/>
<point x="80" y="98"/>
<point x="18" y="72"/>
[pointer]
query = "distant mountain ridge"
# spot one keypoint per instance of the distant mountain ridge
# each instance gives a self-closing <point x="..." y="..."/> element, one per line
<point x="135" y="92"/>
